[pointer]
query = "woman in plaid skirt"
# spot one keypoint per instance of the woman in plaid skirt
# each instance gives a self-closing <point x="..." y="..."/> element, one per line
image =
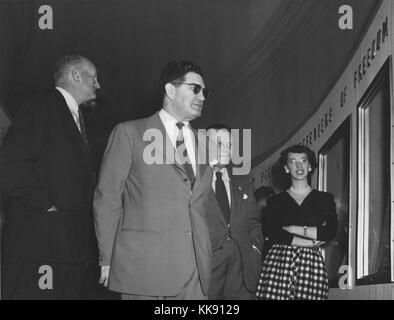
<point x="299" y="221"/>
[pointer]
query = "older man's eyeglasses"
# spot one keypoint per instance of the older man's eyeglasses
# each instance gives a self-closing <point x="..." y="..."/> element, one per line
<point x="196" y="88"/>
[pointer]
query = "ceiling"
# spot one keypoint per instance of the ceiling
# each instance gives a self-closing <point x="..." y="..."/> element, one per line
<point x="131" y="40"/>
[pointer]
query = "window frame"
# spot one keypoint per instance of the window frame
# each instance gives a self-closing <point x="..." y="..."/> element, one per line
<point x="363" y="112"/>
<point x="344" y="129"/>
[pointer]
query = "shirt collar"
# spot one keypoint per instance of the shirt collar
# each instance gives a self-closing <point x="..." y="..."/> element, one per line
<point x="71" y="102"/>
<point x="169" y="119"/>
<point x="224" y="172"/>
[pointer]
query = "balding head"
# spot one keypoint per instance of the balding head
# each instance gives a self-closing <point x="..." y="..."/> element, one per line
<point x="78" y="76"/>
<point x="64" y="66"/>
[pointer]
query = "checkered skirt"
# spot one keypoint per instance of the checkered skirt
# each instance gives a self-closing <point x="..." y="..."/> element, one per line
<point x="293" y="273"/>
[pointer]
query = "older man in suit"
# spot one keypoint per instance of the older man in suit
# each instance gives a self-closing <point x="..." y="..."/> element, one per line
<point x="47" y="174"/>
<point x="235" y="226"/>
<point x="150" y="215"/>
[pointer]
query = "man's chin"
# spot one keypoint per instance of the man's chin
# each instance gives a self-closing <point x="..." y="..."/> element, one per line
<point x="193" y="116"/>
<point x="197" y="109"/>
<point x="90" y="103"/>
<point x="198" y="113"/>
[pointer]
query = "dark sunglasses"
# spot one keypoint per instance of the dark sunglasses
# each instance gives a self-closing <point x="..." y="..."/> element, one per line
<point x="196" y="88"/>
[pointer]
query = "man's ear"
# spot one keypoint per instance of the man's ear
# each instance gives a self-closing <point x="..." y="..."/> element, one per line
<point x="170" y="90"/>
<point x="76" y="75"/>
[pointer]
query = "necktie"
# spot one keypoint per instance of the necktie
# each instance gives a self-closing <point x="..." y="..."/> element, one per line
<point x="82" y="127"/>
<point x="180" y="142"/>
<point x="85" y="140"/>
<point x="221" y="196"/>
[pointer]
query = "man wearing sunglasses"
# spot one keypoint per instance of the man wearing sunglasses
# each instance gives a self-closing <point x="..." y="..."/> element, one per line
<point x="150" y="217"/>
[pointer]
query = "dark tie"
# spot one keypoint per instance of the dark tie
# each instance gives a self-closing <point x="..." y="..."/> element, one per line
<point x="221" y="196"/>
<point x="180" y="142"/>
<point x="85" y="139"/>
<point x="82" y="127"/>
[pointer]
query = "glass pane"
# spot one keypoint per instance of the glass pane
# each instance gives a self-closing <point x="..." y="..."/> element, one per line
<point x="379" y="183"/>
<point x="338" y="184"/>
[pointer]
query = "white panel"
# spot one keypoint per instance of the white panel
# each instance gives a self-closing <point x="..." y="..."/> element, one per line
<point x="5" y="122"/>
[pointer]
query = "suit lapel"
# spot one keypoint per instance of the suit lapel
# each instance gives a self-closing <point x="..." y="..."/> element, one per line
<point x="167" y="149"/>
<point x="154" y="122"/>
<point x="235" y="195"/>
<point x="200" y="159"/>
<point x="239" y="194"/>
<point x="66" y="118"/>
<point x="234" y="200"/>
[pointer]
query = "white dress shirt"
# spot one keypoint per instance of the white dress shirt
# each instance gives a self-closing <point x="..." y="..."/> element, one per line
<point x="72" y="105"/>
<point x="226" y="181"/>
<point x="172" y="131"/>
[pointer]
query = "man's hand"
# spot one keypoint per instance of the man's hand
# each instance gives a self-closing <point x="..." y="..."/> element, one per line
<point x="104" y="275"/>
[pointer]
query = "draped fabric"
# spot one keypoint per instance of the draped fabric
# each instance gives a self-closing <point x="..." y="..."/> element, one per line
<point x="284" y="75"/>
<point x="265" y="61"/>
<point x="16" y="19"/>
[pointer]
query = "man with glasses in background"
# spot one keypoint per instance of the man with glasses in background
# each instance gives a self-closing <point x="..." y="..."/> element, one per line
<point x="150" y="216"/>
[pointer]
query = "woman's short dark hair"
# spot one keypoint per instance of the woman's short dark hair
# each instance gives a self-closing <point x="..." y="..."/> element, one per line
<point x="298" y="149"/>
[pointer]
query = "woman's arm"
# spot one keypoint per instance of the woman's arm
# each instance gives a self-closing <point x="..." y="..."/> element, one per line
<point x="272" y="226"/>
<point x="305" y="243"/>
<point x="302" y="231"/>
<point x="324" y="232"/>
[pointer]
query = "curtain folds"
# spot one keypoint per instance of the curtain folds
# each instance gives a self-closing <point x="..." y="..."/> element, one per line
<point x="16" y="29"/>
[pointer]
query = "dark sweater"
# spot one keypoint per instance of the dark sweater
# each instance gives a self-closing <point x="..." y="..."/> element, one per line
<point x="317" y="210"/>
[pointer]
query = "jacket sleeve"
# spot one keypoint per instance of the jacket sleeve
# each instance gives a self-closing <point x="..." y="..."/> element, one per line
<point x="108" y="198"/>
<point x="273" y="226"/>
<point x="328" y="230"/>
<point x="20" y="157"/>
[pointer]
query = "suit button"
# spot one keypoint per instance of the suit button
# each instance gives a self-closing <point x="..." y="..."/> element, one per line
<point x="228" y="238"/>
<point x="185" y="180"/>
<point x="188" y="233"/>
